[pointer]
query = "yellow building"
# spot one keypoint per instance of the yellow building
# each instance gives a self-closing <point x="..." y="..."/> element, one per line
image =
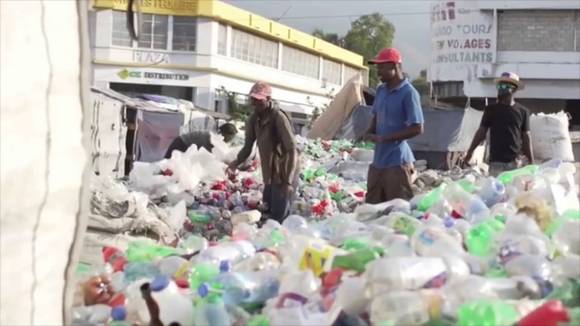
<point x="193" y="49"/>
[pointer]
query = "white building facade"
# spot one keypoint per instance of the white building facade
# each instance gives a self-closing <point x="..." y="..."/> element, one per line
<point x="473" y="42"/>
<point x="195" y="49"/>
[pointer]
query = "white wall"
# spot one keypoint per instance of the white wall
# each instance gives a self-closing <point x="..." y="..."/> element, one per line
<point x="42" y="159"/>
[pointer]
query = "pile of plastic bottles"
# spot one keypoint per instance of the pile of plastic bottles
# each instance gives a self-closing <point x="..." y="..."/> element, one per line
<point x="478" y="251"/>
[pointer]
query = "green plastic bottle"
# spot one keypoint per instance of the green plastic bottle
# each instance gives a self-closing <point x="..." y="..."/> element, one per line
<point x="357" y="260"/>
<point x="508" y="176"/>
<point x="405" y="224"/>
<point x="486" y="313"/>
<point x="568" y="293"/>
<point x="431" y="198"/>
<point x="308" y="175"/>
<point x="259" y="320"/>
<point x="197" y="218"/>
<point x="574" y="314"/>
<point x="202" y="273"/>
<point x="354" y="244"/>
<point x="141" y="251"/>
<point x="480" y="238"/>
<point x="467" y="185"/>
<point x="338" y="196"/>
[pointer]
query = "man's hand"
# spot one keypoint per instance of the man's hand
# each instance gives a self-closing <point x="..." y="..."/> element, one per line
<point x="466" y="159"/>
<point x="287" y="190"/>
<point x="232" y="167"/>
<point x="375" y="138"/>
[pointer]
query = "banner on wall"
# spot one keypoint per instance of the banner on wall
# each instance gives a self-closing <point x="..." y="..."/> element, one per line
<point x="463" y="41"/>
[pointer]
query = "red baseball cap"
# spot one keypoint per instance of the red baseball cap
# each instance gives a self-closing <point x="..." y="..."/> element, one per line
<point x="261" y="91"/>
<point x="387" y="55"/>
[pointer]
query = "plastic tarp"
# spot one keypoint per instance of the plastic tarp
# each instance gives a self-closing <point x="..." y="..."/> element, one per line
<point x="358" y="123"/>
<point x="42" y="158"/>
<point x="155" y="132"/>
<point x="340" y="109"/>
<point x="447" y="131"/>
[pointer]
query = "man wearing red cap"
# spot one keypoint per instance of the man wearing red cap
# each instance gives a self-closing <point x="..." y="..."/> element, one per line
<point x="397" y="116"/>
<point x="271" y="129"/>
<point x="509" y="126"/>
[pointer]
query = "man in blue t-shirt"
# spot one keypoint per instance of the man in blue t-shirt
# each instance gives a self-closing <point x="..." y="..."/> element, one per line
<point x="397" y="116"/>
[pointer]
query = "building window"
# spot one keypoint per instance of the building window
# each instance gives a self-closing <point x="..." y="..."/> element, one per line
<point x="120" y="32"/>
<point x="255" y="49"/>
<point x="300" y="62"/>
<point x="222" y="39"/>
<point x="184" y="33"/>
<point x="350" y="72"/>
<point x="153" y="32"/>
<point x="536" y="30"/>
<point x="331" y="71"/>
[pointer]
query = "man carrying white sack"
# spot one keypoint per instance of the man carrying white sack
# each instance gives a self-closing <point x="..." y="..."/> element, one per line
<point x="509" y="125"/>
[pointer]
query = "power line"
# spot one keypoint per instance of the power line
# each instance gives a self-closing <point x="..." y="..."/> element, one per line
<point x="363" y="14"/>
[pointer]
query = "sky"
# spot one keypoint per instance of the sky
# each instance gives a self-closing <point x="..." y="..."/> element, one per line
<point x="410" y="17"/>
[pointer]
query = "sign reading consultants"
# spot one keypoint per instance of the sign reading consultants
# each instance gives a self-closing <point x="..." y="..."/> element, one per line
<point x="463" y="38"/>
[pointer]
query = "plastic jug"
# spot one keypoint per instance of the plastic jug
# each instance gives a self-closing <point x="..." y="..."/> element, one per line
<point x="173" y="306"/>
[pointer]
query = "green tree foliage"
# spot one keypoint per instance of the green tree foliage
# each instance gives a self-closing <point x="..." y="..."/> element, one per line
<point x="333" y="38"/>
<point x="238" y="111"/>
<point x="367" y="36"/>
<point x="421" y="83"/>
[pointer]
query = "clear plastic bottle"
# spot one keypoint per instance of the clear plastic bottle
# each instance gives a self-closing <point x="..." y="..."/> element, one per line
<point x="174" y="266"/>
<point x="212" y="311"/>
<point x="261" y="261"/>
<point x="468" y="206"/>
<point x="238" y="288"/>
<point x="404" y="273"/>
<point x="492" y="192"/>
<point x="567" y="238"/>
<point x="433" y="241"/>
<point x="193" y="243"/>
<point x="233" y="251"/>
<point x="303" y="283"/>
<point x="91" y="315"/>
<point x="173" y="306"/>
<point x="404" y="307"/>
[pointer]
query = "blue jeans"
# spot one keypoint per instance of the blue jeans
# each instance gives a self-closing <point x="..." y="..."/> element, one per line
<point x="279" y="204"/>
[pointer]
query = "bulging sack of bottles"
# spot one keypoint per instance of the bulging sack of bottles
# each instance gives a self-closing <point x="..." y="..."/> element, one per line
<point x="550" y="137"/>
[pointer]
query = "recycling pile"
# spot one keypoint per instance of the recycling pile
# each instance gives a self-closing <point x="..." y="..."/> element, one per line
<point x="470" y="250"/>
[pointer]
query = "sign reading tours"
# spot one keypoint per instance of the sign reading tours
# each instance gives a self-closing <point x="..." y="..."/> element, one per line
<point x="462" y="38"/>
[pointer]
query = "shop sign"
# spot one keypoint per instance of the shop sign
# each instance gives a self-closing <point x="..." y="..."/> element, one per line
<point x="150" y="57"/>
<point x="463" y="38"/>
<point x="126" y="74"/>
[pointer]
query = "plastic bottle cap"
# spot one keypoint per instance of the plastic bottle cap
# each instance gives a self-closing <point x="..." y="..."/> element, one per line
<point x="119" y="313"/>
<point x="225" y="266"/>
<point x="203" y="290"/>
<point x="159" y="283"/>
